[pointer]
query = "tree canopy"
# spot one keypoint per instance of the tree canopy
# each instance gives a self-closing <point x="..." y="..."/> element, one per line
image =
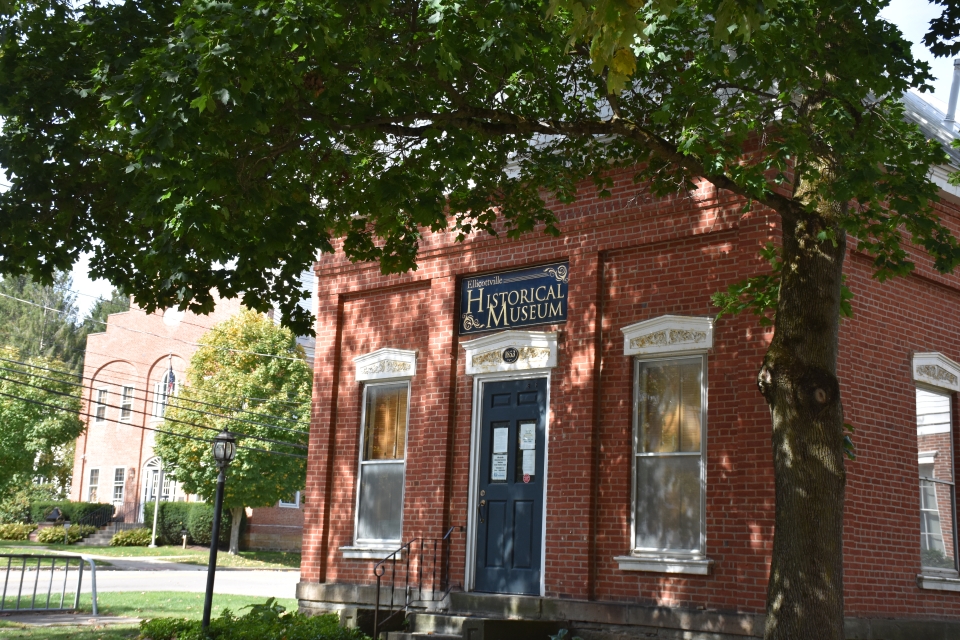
<point x="39" y="418"/>
<point x="267" y="402"/>
<point x="192" y="145"/>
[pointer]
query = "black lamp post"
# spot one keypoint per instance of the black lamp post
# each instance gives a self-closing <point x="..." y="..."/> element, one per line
<point x="224" y="449"/>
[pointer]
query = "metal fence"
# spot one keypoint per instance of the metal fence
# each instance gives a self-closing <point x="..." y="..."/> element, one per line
<point x="40" y="583"/>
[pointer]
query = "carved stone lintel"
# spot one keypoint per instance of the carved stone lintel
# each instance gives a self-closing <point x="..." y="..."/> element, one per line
<point x="937" y="370"/>
<point x="525" y="350"/>
<point x="668" y="334"/>
<point x="386" y="363"/>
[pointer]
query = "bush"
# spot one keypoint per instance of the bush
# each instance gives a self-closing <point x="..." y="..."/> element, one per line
<point x="74" y="534"/>
<point x="15" y="507"/>
<point x="16" y="531"/>
<point x="72" y="511"/>
<point x="131" y="538"/>
<point x="196" y="517"/>
<point x="264" y="621"/>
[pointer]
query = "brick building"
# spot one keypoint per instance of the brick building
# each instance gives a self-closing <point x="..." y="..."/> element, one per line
<point x="571" y="404"/>
<point x="129" y="370"/>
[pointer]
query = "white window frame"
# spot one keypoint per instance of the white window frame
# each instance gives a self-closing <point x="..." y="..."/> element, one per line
<point x="935" y="373"/>
<point x="161" y="399"/>
<point x="296" y="501"/>
<point x="91" y="487"/>
<point x="656" y="340"/>
<point x="126" y="403"/>
<point x="100" y="404"/>
<point x="121" y="485"/>
<point x="364" y="543"/>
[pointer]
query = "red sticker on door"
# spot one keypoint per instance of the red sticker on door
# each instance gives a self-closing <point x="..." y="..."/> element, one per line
<point x="526" y="478"/>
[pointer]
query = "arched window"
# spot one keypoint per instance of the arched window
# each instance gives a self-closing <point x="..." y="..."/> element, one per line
<point x="162" y="391"/>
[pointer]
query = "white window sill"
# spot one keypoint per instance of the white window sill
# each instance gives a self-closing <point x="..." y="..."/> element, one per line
<point x="941" y="582"/>
<point x="369" y="553"/>
<point x="666" y="564"/>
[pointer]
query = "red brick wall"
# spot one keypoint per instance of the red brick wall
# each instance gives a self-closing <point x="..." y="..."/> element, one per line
<point x="632" y="258"/>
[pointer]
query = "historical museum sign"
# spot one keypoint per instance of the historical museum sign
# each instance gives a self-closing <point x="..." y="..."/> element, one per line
<point x="537" y="295"/>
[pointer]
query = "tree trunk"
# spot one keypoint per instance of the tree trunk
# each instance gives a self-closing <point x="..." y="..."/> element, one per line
<point x="236" y="514"/>
<point x="799" y="381"/>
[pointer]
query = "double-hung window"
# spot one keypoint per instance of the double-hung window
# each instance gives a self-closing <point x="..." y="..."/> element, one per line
<point x="119" y="476"/>
<point x="668" y="456"/>
<point x="162" y="392"/>
<point x="668" y="450"/>
<point x="937" y="382"/>
<point x="382" y="462"/>
<point x="937" y="499"/>
<point x="100" y="411"/>
<point x="126" y="404"/>
<point x="93" y="485"/>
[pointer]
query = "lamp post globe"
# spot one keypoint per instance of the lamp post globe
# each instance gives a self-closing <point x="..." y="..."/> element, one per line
<point x="224" y="450"/>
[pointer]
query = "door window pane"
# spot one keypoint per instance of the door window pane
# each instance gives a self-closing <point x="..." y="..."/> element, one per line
<point x="935" y="446"/>
<point x="668" y="461"/>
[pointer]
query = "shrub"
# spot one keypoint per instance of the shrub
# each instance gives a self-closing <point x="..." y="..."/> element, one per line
<point x="74" y="534"/>
<point x="15" y="506"/>
<point x="16" y="531"/>
<point x="171" y="520"/>
<point x="200" y="524"/>
<point x="73" y="511"/>
<point x="131" y="538"/>
<point x="263" y="621"/>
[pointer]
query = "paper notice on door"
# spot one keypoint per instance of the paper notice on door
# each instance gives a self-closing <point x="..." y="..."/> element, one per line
<point x="498" y="467"/>
<point x="530" y="462"/>
<point x="500" y="440"/>
<point x="528" y="435"/>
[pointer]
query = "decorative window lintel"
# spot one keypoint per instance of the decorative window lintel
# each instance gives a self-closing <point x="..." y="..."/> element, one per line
<point x="668" y="334"/>
<point x="386" y="363"/>
<point x="512" y="350"/>
<point x="937" y="370"/>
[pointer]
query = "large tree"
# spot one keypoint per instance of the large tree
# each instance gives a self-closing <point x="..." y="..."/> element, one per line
<point x="250" y="378"/>
<point x="214" y="144"/>
<point x="39" y="420"/>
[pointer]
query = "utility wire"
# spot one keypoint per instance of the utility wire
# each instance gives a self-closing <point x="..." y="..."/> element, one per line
<point x="145" y="391"/>
<point x="156" y="335"/>
<point x="132" y="410"/>
<point x="145" y="428"/>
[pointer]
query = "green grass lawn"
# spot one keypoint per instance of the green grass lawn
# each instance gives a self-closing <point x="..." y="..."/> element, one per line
<point x="190" y="555"/>
<point x="137" y="604"/>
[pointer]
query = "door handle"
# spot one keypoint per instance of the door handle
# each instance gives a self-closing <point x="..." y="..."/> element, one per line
<point x="480" y="507"/>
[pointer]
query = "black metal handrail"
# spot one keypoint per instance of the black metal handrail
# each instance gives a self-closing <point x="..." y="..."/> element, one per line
<point x="99" y="517"/>
<point x="428" y="548"/>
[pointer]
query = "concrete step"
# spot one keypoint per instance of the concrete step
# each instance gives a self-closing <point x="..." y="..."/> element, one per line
<point x="406" y="635"/>
<point x="438" y="624"/>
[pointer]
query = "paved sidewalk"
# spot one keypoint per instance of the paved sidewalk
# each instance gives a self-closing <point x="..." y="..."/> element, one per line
<point x="279" y="584"/>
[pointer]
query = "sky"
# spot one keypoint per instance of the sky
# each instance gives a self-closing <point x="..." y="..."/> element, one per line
<point x="912" y="16"/>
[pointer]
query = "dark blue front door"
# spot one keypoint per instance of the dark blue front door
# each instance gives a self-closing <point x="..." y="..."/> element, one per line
<point x="510" y="487"/>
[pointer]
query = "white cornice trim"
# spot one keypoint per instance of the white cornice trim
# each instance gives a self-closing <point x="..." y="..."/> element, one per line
<point x="668" y="334"/>
<point x="386" y="363"/>
<point x="937" y="370"/>
<point x="534" y="350"/>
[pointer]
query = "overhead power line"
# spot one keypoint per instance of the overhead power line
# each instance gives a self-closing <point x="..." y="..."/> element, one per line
<point x="145" y="428"/>
<point x="156" y="335"/>
<point x="168" y="419"/>
<point x="146" y="391"/>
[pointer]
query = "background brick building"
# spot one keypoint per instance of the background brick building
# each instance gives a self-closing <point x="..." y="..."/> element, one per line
<point x="126" y="375"/>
